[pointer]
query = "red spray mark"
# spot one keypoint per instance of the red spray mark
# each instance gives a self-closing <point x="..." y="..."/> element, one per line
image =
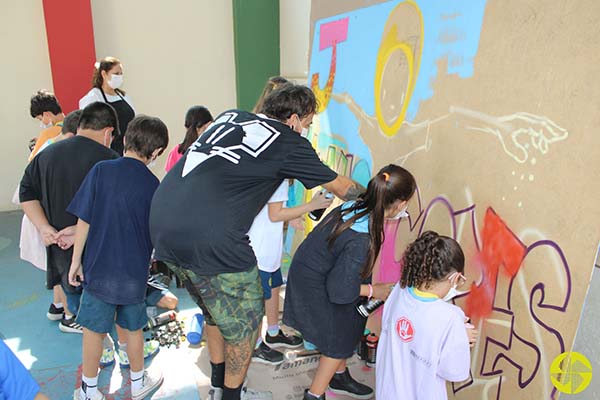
<point x="501" y="247"/>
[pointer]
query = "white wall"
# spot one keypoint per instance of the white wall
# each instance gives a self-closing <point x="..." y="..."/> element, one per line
<point x="24" y="69"/>
<point x="175" y="55"/>
<point x="294" y="20"/>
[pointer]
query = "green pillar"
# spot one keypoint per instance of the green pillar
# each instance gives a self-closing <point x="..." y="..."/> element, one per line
<point x="256" y="43"/>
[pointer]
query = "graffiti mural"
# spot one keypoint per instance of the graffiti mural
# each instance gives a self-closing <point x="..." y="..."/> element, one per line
<point x="493" y="111"/>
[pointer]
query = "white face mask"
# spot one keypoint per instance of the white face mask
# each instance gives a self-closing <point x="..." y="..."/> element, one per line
<point x="152" y="163"/>
<point x="115" y="81"/>
<point x="453" y="292"/>
<point x="46" y="126"/>
<point x="304" y="132"/>
<point x="402" y="214"/>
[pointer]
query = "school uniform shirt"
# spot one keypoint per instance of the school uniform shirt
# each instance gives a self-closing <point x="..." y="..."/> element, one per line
<point x="423" y="344"/>
<point x="266" y="236"/>
<point x="53" y="177"/>
<point x="205" y="205"/>
<point x="323" y="287"/>
<point x="16" y="383"/>
<point x="114" y="199"/>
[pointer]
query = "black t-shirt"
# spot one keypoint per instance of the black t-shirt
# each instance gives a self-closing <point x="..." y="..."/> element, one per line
<point x="53" y="177"/>
<point x="204" y="207"/>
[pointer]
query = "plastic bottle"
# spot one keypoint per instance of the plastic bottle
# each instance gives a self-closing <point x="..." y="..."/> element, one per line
<point x="194" y="335"/>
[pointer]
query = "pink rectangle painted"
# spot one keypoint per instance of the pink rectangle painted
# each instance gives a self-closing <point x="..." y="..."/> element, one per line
<point x="333" y="32"/>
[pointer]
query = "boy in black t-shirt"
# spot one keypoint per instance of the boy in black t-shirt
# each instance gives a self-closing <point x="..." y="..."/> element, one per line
<point x="48" y="185"/>
<point x="204" y="207"/>
<point x="112" y="207"/>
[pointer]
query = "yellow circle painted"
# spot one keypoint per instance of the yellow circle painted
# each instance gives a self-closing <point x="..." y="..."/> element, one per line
<point x="571" y="372"/>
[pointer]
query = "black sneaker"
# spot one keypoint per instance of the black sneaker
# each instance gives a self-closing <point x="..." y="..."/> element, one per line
<point x="281" y="340"/>
<point x="266" y="355"/>
<point x="308" y="396"/>
<point x="70" y="326"/>
<point x="346" y="385"/>
<point x="54" y="313"/>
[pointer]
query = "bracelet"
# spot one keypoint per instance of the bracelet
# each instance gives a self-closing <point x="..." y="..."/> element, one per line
<point x="370" y="291"/>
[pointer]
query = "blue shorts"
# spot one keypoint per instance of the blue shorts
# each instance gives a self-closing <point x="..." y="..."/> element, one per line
<point x="153" y="295"/>
<point x="99" y="316"/>
<point x="270" y="280"/>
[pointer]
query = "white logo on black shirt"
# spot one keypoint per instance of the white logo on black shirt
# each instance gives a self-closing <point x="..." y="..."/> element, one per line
<point x="258" y="136"/>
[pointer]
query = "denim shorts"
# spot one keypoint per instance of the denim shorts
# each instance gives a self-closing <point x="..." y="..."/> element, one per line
<point x="231" y="301"/>
<point x="99" y="316"/>
<point x="153" y="295"/>
<point x="270" y="280"/>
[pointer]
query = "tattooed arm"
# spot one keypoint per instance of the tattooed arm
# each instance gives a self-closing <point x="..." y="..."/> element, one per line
<point x="344" y="188"/>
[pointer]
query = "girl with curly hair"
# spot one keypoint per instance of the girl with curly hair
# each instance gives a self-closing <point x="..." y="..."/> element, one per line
<point x="424" y="340"/>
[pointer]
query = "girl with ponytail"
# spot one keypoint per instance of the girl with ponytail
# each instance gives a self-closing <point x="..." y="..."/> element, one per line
<point x="331" y="272"/>
<point x="424" y="340"/>
<point x="197" y="119"/>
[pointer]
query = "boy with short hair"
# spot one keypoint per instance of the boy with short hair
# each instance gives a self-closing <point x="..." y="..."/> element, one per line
<point x="45" y="108"/>
<point x="112" y="206"/>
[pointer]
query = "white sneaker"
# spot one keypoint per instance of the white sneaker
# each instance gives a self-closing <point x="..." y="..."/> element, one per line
<point x="251" y="394"/>
<point x="149" y="384"/>
<point x="80" y="395"/>
<point x="215" y="393"/>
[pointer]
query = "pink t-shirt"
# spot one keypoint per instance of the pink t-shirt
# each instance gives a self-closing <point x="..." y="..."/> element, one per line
<point x="173" y="157"/>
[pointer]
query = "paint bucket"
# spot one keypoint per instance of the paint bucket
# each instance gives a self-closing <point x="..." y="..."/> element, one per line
<point x="194" y="335"/>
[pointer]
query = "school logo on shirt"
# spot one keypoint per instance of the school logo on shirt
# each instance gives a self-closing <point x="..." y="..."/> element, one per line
<point x="257" y="137"/>
<point x="405" y="329"/>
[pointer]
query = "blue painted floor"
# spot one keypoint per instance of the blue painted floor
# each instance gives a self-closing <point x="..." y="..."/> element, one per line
<point x="53" y="357"/>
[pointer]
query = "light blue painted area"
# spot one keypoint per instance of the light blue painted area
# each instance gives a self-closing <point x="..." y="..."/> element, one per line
<point x="451" y="28"/>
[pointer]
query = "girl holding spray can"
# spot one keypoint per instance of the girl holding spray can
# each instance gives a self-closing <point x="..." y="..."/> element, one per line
<point x="331" y="273"/>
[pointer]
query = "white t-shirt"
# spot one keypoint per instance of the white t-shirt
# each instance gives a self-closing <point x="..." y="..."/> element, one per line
<point x="266" y="236"/>
<point x="96" y="95"/>
<point x="423" y="344"/>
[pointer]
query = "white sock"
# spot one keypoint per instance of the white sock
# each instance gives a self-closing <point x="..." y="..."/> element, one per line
<point x="91" y="385"/>
<point x="58" y="305"/>
<point x="68" y="317"/>
<point x="136" y="380"/>
<point x="107" y="342"/>
<point x="122" y="346"/>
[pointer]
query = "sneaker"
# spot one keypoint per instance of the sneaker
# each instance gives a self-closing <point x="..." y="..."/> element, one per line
<point x="215" y="393"/>
<point x="251" y="394"/>
<point x="149" y="384"/>
<point x="151" y="348"/>
<point x="81" y="395"/>
<point x="266" y="355"/>
<point x="308" y="396"/>
<point x="282" y="340"/>
<point x="108" y="357"/>
<point x="346" y="385"/>
<point x="54" y="313"/>
<point x="70" y="326"/>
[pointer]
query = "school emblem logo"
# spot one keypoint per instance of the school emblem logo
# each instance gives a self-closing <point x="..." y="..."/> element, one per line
<point x="405" y="329"/>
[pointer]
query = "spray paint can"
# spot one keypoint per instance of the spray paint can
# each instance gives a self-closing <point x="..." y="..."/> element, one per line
<point x="367" y="307"/>
<point x="372" y="341"/>
<point x="362" y="345"/>
<point x="316" y="215"/>
<point x="162" y="319"/>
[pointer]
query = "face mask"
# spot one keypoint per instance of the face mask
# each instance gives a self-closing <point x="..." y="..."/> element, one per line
<point x="304" y="132"/>
<point x="152" y="163"/>
<point x="115" y="81"/>
<point x="402" y="214"/>
<point x="452" y="293"/>
<point x="45" y="126"/>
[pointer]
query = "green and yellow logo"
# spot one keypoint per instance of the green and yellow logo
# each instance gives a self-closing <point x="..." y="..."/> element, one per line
<point x="571" y="372"/>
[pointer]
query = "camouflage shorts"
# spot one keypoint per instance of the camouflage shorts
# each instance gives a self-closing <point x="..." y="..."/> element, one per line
<point x="233" y="301"/>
